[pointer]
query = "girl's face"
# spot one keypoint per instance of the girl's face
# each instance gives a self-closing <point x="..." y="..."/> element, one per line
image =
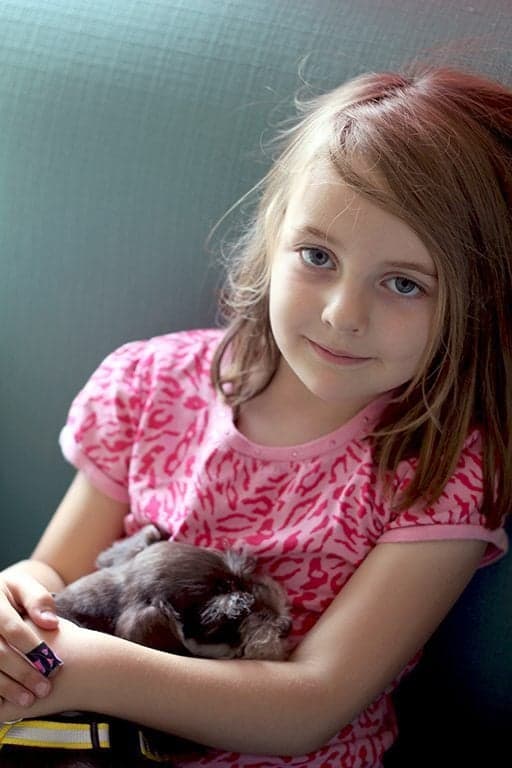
<point x="353" y="292"/>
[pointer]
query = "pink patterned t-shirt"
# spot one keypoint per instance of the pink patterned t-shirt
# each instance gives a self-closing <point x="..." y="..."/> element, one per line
<point x="149" y="429"/>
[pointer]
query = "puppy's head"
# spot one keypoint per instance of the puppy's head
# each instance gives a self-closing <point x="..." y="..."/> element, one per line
<point x="222" y="608"/>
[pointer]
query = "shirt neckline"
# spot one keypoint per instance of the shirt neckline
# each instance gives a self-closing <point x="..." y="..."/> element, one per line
<point x="356" y="428"/>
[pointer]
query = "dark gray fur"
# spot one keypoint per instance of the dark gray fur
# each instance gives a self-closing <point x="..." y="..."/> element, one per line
<point x="173" y="597"/>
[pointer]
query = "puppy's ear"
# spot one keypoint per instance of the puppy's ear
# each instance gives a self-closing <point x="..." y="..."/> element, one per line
<point x="239" y="564"/>
<point x="126" y="549"/>
<point x="262" y="636"/>
<point x="271" y="594"/>
<point x="156" y="625"/>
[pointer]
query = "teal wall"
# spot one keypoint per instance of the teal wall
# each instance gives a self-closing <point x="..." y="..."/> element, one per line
<point x="126" y="130"/>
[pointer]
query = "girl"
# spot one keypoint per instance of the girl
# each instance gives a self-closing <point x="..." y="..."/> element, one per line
<point x="350" y="427"/>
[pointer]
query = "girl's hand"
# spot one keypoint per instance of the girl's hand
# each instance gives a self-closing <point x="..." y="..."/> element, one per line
<point x="66" y="551"/>
<point x="20" y="682"/>
<point x="71" y="643"/>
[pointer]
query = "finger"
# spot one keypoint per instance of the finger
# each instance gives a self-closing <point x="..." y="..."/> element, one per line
<point x="44" y="616"/>
<point x="14" y="693"/>
<point x="16" y="632"/>
<point x="36" y="601"/>
<point x="20" y="683"/>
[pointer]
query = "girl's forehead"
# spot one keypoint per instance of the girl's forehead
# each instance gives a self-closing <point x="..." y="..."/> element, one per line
<point x="320" y="192"/>
<point x="319" y="182"/>
<point x="321" y="201"/>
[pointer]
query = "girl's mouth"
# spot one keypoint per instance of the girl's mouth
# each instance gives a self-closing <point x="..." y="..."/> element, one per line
<point x="339" y="357"/>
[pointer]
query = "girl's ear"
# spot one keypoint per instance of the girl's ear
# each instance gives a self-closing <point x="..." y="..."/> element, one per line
<point x="126" y="549"/>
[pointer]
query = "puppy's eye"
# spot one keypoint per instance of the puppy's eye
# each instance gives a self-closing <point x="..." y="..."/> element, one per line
<point x="284" y="626"/>
<point x="225" y="587"/>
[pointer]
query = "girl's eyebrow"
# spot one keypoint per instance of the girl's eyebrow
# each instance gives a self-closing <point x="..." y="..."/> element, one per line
<point x="308" y="229"/>
<point x="416" y="266"/>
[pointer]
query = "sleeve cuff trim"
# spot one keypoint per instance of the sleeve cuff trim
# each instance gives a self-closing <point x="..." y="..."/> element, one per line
<point x="97" y="477"/>
<point x="497" y="540"/>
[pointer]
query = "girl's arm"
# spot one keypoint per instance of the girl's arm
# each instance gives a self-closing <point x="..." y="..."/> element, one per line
<point x="85" y="523"/>
<point x="390" y="607"/>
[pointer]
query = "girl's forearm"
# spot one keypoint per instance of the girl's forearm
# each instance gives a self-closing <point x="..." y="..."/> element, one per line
<point x="41" y="571"/>
<point x="243" y="706"/>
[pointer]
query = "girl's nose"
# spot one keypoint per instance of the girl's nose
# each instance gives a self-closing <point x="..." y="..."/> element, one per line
<point x="345" y="310"/>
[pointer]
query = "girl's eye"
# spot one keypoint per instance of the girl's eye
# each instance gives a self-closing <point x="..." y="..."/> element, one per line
<point x="315" y="257"/>
<point x="403" y="286"/>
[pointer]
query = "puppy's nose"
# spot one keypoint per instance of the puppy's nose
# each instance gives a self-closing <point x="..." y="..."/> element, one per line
<point x="238" y="604"/>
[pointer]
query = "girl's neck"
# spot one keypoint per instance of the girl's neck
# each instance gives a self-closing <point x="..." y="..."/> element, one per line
<point x="284" y="415"/>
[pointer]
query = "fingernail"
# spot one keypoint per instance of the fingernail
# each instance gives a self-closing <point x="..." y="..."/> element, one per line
<point x="42" y="689"/>
<point x="47" y="614"/>
<point x="24" y="699"/>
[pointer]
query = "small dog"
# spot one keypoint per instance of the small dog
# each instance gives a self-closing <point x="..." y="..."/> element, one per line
<point x="174" y="597"/>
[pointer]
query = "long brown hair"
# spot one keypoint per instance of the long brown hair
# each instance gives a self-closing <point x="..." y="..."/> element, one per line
<point x="441" y="139"/>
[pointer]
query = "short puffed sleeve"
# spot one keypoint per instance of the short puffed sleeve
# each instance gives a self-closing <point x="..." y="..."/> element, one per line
<point x="456" y="514"/>
<point x="102" y="423"/>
